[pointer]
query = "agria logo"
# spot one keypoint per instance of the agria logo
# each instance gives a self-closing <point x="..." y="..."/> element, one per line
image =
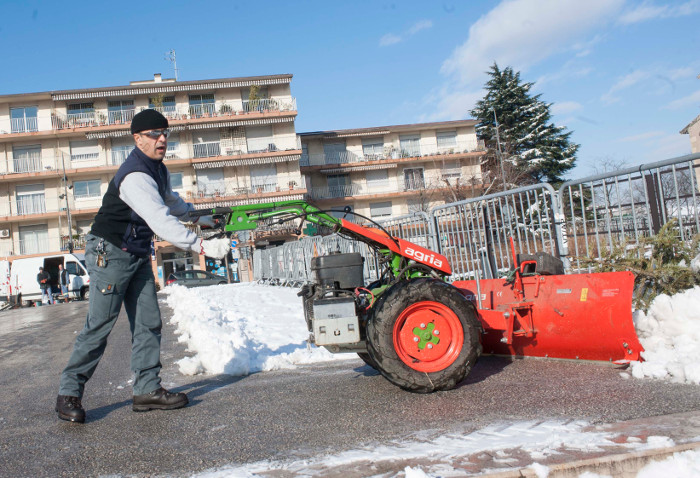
<point x="423" y="257"/>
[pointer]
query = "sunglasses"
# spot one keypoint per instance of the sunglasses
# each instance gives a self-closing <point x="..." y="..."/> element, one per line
<point x="155" y="134"/>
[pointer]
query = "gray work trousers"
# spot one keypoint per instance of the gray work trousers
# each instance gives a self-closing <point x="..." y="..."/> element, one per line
<point x="125" y="279"/>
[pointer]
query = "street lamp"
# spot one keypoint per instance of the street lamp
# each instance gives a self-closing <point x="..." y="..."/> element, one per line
<point x="66" y="187"/>
<point x="498" y="148"/>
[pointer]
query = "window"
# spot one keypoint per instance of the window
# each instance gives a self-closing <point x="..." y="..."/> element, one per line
<point x="206" y="143"/>
<point x="176" y="180"/>
<point x="121" y="147"/>
<point x="338" y="212"/>
<point x="373" y="148"/>
<point x="377" y="180"/>
<point x="339" y="185"/>
<point x="164" y="104"/>
<point x="30" y="199"/>
<point x="74" y="269"/>
<point x="201" y="105"/>
<point x="451" y="169"/>
<point x="173" y="145"/>
<point x="263" y="178"/>
<point x="27" y="159"/>
<point x="210" y="182"/>
<point x="120" y="111"/>
<point x="34" y="239"/>
<point x="380" y="209"/>
<point x="24" y="119"/>
<point x="255" y="104"/>
<point x="446" y="141"/>
<point x="413" y="178"/>
<point x="410" y="145"/>
<point x="259" y="139"/>
<point x="83" y="226"/>
<point x="87" y="189"/>
<point x="335" y="153"/>
<point x="81" y="113"/>
<point x="84" y="150"/>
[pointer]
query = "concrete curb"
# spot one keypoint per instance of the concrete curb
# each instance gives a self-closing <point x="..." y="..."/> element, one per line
<point x="623" y="465"/>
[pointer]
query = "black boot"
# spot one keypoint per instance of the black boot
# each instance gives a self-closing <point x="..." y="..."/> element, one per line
<point x="69" y="408"/>
<point x="160" y="399"/>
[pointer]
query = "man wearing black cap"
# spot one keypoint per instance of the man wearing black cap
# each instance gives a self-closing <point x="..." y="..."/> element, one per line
<point x="138" y="203"/>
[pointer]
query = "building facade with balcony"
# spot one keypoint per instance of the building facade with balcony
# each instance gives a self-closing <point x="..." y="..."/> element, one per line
<point x="233" y="142"/>
<point x="387" y="171"/>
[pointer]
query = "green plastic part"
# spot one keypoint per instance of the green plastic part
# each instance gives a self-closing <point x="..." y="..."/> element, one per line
<point x="426" y="336"/>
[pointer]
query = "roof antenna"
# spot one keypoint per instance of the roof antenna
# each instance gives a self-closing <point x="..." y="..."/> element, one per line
<point x="170" y="56"/>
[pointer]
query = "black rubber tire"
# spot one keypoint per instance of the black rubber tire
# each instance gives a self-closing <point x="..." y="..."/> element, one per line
<point x="368" y="360"/>
<point x="85" y="293"/>
<point x="380" y="343"/>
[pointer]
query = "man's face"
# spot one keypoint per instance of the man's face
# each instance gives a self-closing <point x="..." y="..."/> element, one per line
<point x="153" y="148"/>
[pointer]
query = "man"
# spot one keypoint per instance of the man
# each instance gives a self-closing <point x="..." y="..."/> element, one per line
<point x="138" y="203"/>
<point x="43" y="278"/>
<point x="63" y="281"/>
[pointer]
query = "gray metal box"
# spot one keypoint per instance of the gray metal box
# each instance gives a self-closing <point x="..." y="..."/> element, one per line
<point x="335" y="321"/>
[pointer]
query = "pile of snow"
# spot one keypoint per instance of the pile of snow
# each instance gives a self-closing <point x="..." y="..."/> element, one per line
<point x="239" y="329"/>
<point x="670" y="335"/>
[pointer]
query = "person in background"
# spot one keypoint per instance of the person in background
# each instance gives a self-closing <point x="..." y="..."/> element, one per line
<point x="43" y="278"/>
<point x="63" y="281"/>
<point x="138" y="203"/>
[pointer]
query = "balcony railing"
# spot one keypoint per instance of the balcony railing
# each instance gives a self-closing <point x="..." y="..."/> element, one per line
<point x="24" y="125"/>
<point x="82" y="119"/>
<point x="176" y="112"/>
<point x="391" y="152"/>
<point x="120" y="117"/>
<point x="328" y="192"/>
<point x="207" y="109"/>
<point x="206" y="150"/>
<point x="32" y="164"/>
<point x="78" y="242"/>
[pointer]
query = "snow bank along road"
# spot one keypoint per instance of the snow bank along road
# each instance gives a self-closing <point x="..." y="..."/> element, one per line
<point x="321" y="419"/>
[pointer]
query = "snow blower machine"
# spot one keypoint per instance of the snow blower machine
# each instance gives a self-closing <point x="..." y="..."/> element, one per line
<point x="423" y="333"/>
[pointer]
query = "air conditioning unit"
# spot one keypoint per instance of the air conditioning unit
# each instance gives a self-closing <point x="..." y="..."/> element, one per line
<point x="4" y="233"/>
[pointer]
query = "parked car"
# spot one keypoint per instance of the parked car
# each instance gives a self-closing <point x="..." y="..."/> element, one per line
<point x="194" y="278"/>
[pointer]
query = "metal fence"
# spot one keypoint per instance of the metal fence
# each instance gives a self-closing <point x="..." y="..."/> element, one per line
<point x="621" y="207"/>
<point x="583" y="218"/>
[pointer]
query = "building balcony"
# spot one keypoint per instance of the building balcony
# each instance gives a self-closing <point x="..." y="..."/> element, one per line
<point x="391" y="153"/>
<point x="175" y="113"/>
<point x="24" y="125"/>
<point x="391" y="188"/>
<point x="330" y="192"/>
<point x="220" y="189"/>
<point x="78" y="242"/>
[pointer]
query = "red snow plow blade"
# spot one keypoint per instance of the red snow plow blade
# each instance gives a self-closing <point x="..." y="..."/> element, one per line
<point x="576" y="316"/>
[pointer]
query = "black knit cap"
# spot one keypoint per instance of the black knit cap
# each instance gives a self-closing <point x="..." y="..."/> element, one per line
<point x="148" y="119"/>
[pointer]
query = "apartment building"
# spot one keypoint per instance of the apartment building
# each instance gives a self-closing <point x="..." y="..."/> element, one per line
<point x="233" y="142"/>
<point x="387" y="171"/>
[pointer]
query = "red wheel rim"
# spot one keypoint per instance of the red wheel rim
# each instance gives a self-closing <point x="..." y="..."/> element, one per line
<point x="428" y="336"/>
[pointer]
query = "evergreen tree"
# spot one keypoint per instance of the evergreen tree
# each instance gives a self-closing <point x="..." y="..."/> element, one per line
<point x="533" y="149"/>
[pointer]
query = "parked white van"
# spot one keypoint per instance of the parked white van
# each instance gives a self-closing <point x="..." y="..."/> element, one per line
<point x="23" y="272"/>
<point x="5" y="289"/>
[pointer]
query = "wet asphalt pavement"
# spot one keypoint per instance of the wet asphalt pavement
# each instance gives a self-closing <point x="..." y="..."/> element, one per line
<point x="275" y="415"/>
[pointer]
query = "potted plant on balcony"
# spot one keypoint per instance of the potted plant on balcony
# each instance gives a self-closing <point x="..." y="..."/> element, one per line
<point x="292" y="184"/>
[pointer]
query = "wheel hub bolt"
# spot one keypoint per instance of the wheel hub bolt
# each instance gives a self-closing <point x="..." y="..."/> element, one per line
<point x="430" y="346"/>
<point x="416" y="339"/>
<point x="436" y="332"/>
<point x="422" y="326"/>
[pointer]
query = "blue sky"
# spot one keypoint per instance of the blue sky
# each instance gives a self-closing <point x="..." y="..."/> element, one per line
<point x="621" y="74"/>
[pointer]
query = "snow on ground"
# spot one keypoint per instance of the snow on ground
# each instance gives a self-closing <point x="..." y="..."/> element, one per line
<point x="447" y="455"/>
<point x="239" y="329"/>
<point x="244" y="328"/>
<point x="670" y="335"/>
